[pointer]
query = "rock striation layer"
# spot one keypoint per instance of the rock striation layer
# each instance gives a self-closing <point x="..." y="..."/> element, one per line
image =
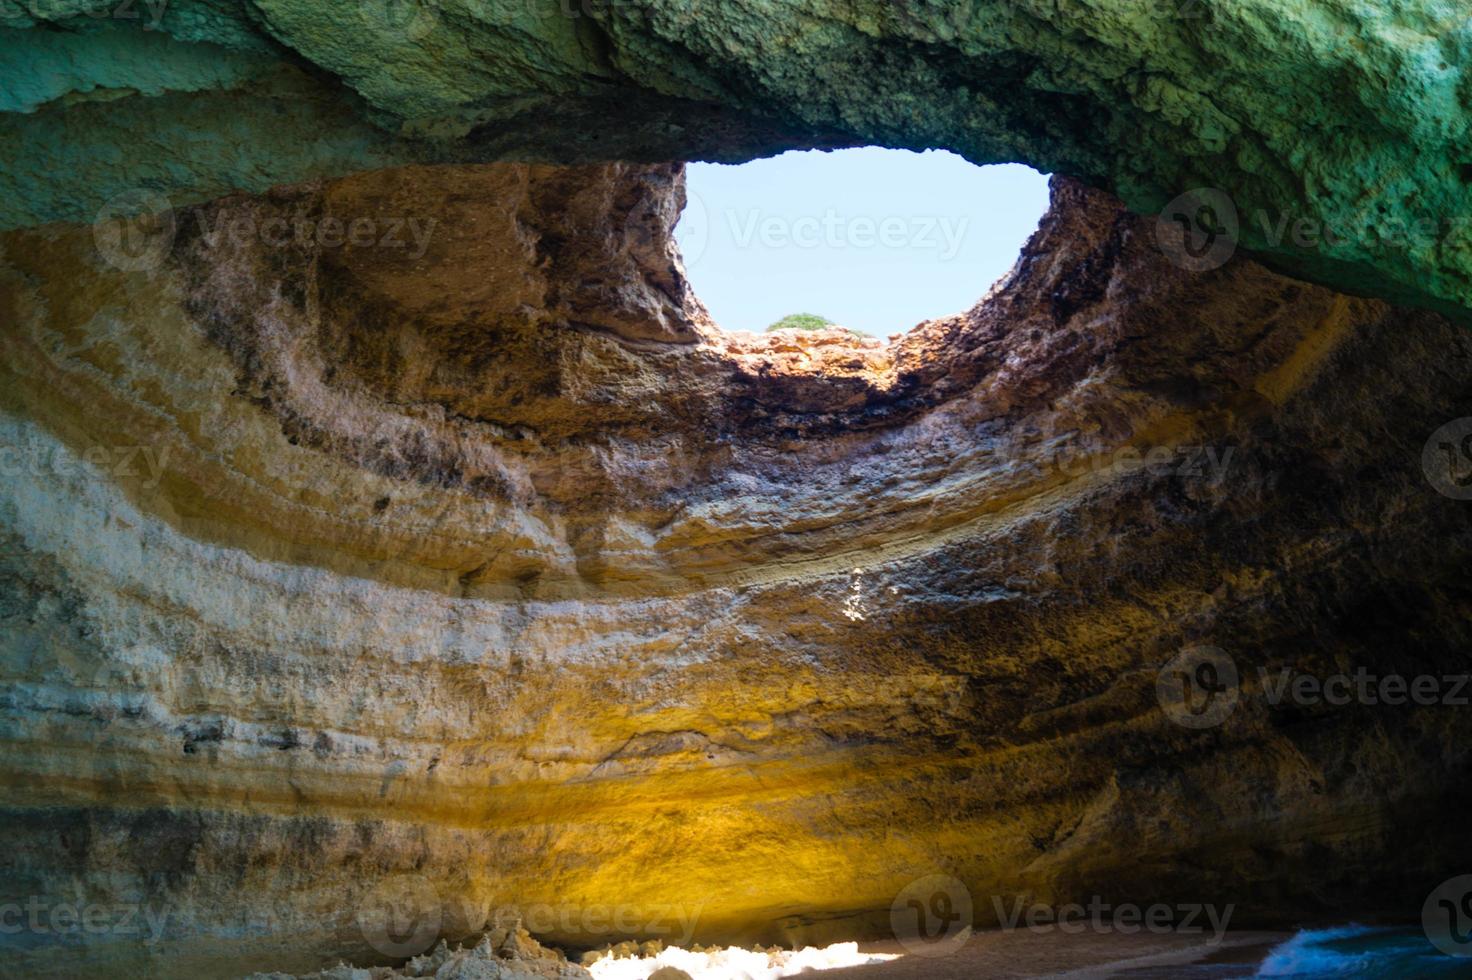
<point x="489" y="571"/>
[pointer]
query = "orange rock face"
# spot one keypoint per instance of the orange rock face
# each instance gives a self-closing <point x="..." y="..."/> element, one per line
<point x="485" y="562"/>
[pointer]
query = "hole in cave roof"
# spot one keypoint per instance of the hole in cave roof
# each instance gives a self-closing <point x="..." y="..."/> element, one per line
<point x="870" y="239"/>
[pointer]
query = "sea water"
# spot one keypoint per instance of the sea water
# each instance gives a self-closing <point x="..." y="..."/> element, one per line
<point x="1362" y="951"/>
<point x="1343" y="951"/>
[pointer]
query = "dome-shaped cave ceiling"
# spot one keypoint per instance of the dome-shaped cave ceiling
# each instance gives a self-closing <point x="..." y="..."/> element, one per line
<point x="456" y="543"/>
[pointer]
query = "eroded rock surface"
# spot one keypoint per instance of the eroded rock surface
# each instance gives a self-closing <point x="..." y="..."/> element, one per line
<point x="329" y="565"/>
<point x="1338" y="128"/>
<point x="501" y="954"/>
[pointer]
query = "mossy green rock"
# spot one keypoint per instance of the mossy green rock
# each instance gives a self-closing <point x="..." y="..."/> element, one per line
<point x="1338" y="129"/>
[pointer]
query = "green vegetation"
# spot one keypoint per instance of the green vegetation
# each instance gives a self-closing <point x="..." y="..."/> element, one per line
<point x="811" y="321"/>
<point x="801" y="321"/>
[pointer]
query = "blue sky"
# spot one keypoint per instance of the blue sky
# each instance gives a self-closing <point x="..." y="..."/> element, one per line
<point x="874" y="239"/>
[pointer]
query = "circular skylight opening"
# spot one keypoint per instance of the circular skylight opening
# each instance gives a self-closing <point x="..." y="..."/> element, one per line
<point x="870" y="239"/>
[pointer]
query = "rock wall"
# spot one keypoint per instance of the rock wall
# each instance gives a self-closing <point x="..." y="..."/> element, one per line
<point x="1337" y="130"/>
<point x="490" y="563"/>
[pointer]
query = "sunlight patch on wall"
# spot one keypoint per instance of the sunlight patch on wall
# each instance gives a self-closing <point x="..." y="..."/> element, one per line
<point x="733" y="963"/>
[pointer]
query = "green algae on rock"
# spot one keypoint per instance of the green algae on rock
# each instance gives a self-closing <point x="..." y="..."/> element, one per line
<point x="1347" y="121"/>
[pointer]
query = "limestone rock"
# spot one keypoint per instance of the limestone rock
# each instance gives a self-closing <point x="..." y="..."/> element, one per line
<point x="669" y="973"/>
<point x="469" y="968"/>
<point x="330" y="576"/>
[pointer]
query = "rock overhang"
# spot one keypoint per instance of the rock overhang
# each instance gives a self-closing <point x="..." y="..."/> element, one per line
<point x="1346" y="117"/>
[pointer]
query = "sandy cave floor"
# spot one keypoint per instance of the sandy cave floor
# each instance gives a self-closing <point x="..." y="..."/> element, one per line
<point x="999" y="955"/>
